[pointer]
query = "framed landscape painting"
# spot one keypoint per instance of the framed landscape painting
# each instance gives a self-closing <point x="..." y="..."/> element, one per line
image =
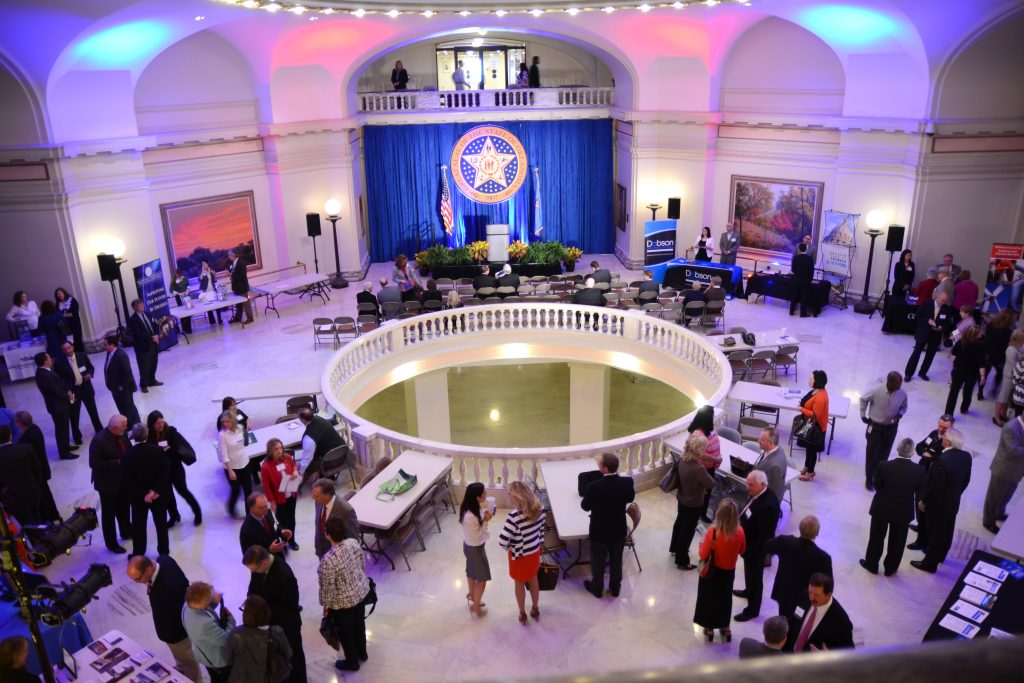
<point x="772" y="215"/>
<point x="207" y="229"/>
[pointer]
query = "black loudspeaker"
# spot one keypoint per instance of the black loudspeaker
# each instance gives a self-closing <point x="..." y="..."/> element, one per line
<point x="894" y="240"/>
<point x="109" y="271"/>
<point x="313" y="224"/>
<point x="674" y="207"/>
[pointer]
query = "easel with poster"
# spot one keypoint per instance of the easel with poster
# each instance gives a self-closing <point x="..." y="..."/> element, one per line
<point x="1004" y="284"/>
<point x="835" y="253"/>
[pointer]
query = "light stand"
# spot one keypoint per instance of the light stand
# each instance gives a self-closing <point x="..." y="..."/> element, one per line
<point x="883" y="300"/>
<point x="865" y="306"/>
<point x="337" y="280"/>
<point x="316" y="261"/>
<point x="654" y="211"/>
<point x="11" y="569"/>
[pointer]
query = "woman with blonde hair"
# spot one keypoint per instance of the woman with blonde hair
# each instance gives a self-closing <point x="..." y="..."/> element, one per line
<point x="523" y="537"/>
<point x="453" y="300"/>
<point x="726" y="541"/>
<point x="694" y="482"/>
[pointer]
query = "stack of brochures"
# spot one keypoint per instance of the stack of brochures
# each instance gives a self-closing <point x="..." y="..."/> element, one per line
<point x="979" y="594"/>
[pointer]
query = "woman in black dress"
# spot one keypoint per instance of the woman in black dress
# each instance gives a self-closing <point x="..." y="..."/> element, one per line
<point x="67" y="305"/>
<point x="968" y="364"/>
<point x="903" y="274"/>
<point x="179" y="453"/>
<point x="714" y="590"/>
<point x="704" y="245"/>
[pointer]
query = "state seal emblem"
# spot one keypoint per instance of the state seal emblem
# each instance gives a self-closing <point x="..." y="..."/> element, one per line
<point x="489" y="164"/>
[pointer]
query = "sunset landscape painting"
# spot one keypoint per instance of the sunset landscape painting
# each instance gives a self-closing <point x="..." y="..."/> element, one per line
<point x="207" y="229"/>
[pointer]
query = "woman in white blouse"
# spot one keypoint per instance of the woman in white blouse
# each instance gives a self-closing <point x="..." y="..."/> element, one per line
<point x="24" y="312"/>
<point x="523" y="536"/>
<point x="474" y="517"/>
<point x="232" y="454"/>
<point x="704" y="245"/>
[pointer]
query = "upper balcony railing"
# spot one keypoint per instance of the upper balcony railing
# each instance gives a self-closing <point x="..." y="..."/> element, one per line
<point x="403" y="349"/>
<point x="485" y="100"/>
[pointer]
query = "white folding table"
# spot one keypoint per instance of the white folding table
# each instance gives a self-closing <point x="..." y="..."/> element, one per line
<point x="783" y="399"/>
<point x="197" y="307"/>
<point x="308" y="283"/>
<point x="149" y="667"/>
<point x="763" y="341"/>
<point x="571" y="520"/>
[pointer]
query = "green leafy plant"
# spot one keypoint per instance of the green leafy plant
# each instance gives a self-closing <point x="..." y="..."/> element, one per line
<point x="460" y="257"/>
<point x="547" y="253"/>
<point x="437" y="255"/>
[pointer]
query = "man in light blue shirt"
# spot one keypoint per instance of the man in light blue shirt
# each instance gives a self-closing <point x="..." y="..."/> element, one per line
<point x="208" y="631"/>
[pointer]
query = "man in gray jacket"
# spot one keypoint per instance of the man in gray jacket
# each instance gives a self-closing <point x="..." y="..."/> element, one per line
<point x="207" y="630"/>
<point x="881" y="410"/>
<point x="1007" y="469"/>
<point x="772" y="461"/>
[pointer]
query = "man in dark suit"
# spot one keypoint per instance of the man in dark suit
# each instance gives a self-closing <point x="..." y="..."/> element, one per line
<point x="58" y="399"/>
<point x="694" y="293"/>
<point x="1007" y="469"/>
<point x="484" y="279"/>
<point x="799" y="558"/>
<point x="649" y="284"/>
<point x="775" y="632"/>
<point x="272" y="579"/>
<point x="19" y="480"/>
<point x="146" y="342"/>
<point x="600" y="274"/>
<point x="76" y="371"/>
<point x="117" y="374"/>
<point x="897" y="485"/>
<point x="105" y="453"/>
<point x="606" y="500"/>
<point x="261" y="528"/>
<point x="328" y="505"/>
<point x="758" y="519"/>
<point x="147" y="483"/>
<point x="240" y="286"/>
<point x="772" y="462"/>
<point x="946" y="481"/>
<point x="165" y="584"/>
<point x="825" y="626"/>
<point x="508" y="278"/>
<point x="930" y="447"/>
<point x="367" y="297"/>
<point x="29" y="434"/>
<point x="589" y="295"/>
<point x="318" y="440"/>
<point x="803" y="274"/>
<point x="934" y="319"/>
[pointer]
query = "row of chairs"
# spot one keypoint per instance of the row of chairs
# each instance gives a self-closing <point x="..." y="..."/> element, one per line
<point x="449" y="283"/>
<point x="328" y="330"/>
<point x="747" y="365"/>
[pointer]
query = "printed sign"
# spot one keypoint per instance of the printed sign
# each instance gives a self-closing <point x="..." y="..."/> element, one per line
<point x="1004" y="284"/>
<point x="149" y="282"/>
<point x="659" y="241"/>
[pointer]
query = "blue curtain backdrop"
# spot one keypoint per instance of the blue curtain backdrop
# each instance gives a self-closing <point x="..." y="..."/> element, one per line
<point x="403" y="180"/>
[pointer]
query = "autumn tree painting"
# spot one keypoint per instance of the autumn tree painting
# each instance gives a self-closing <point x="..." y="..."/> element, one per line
<point x="774" y="215"/>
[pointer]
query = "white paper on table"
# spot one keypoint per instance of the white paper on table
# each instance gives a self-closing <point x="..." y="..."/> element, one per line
<point x="984" y="583"/>
<point x="959" y="626"/>
<point x="290" y="485"/>
<point x="975" y="596"/>
<point x="969" y="611"/>
<point x="991" y="571"/>
<point x="294" y="425"/>
<point x="996" y="633"/>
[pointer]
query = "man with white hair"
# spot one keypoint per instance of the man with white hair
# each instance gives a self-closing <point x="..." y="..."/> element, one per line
<point x="388" y="293"/>
<point x="945" y="284"/>
<point x="758" y="519"/>
<point x="508" y="278"/>
<point x="367" y="297"/>
<point x="590" y="295"/>
<point x="947" y="479"/>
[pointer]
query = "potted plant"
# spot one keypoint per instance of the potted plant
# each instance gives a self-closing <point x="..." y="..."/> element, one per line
<point x="478" y="250"/>
<point x="423" y="264"/>
<point x="570" y="255"/>
<point x="517" y="250"/>
<point x="461" y="256"/>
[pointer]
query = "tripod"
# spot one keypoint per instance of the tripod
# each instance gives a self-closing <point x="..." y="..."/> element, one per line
<point x="120" y="332"/>
<point x="883" y="300"/>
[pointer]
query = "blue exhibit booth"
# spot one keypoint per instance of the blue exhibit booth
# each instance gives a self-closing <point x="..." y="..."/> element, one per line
<point x="680" y="273"/>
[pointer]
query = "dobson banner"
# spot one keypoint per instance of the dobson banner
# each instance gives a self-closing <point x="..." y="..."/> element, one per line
<point x="659" y="241"/>
<point x="1004" y="285"/>
<point x="149" y="282"/>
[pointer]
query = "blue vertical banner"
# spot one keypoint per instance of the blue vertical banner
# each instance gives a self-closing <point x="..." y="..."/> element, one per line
<point x="149" y="282"/>
<point x="659" y="241"/>
<point x="538" y="216"/>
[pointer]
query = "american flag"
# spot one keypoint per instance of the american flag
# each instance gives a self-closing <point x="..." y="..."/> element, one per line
<point x="446" y="202"/>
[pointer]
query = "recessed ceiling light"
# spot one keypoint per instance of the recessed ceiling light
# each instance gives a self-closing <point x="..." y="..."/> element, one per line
<point x="314" y="18"/>
<point x="393" y="13"/>
<point x="428" y="13"/>
<point x="464" y="13"/>
<point x="360" y="13"/>
<point x="678" y="5"/>
<point x="329" y="10"/>
<point x="297" y="10"/>
<point x="644" y="8"/>
<point x="572" y="11"/>
<point x="536" y="12"/>
<point x="500" y="13"/>
<point x="608" y="10"/>
<point x="272" y="7"/>
<point x="710" y="3"/>
<point x="250" y="4"/>
<point x="477" y="42"/>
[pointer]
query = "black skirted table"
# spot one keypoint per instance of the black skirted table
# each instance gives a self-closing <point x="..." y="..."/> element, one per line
<point x="1004" y="612"/>
<point x="522" y="269"/>
<point x="779" y="286"/>
<point x="899" y="317"/>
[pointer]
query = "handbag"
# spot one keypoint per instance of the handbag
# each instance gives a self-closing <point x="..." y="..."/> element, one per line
<point x="186" y="453"/>
<point x="371" y="596"/>
<point x="706" y="567"/>
<point x="670" y="480"/>
<point x="547" y="576"/>
<point x="278" y="668"/>
<point x="807" y="432"/>
<point x="396" y="486"/>
<point x="330" y="633"/>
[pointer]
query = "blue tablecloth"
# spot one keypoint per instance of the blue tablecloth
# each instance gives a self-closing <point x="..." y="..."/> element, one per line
<point x="678" y="273"/>
<point x="73" y="635"/>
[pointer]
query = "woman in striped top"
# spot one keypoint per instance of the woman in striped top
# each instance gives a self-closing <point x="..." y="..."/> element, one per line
<point x="523" y="536"/>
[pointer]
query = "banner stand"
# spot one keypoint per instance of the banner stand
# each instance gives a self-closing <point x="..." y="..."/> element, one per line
<point x="149" y="282"/>
<point x="835" y="254"/>
<point x="1004" y="284"/>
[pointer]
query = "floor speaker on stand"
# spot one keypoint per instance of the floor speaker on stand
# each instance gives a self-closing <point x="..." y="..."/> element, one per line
<point x="313" y="230"/>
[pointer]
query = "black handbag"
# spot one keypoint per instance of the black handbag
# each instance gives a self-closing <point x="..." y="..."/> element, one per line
<point x="371" y="596"/>
<point x="330" y="633"/>
<point x="670" y="480"/>
<point x="547" y="576"/>
<point x="807" y="432"/>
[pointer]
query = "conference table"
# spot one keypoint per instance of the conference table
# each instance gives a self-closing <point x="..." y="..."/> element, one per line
<point x="780" y="286"/>
<point x="118" y="657"/>
<point x="900" y="316"/>
<point x="1010" y="539"/>
<point x="750" y="393"/>
<point x="307" y="283"/>
<point x="274" y="388"/>
<point x="763" y="341"/>
<point x="72" y="634"/>
<point x="571" y="521"/>
<point x="986" y="575"/>
<point x="382" y="514"/>
<point x="198" y="307"/>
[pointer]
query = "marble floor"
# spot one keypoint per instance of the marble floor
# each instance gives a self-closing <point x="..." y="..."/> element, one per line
<point x="422" y="630"/>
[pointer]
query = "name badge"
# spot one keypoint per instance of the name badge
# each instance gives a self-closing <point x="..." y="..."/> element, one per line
<point x="942" y="316"/>
<point x="81" y="368"/>
<point x="281" y="468"/>
<point x="746" y="514"/>
<point x="239" y="418"/>
<point x="162" y="444"/>
<point x="799" y="612"/>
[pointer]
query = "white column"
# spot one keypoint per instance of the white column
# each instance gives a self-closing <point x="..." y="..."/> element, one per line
<point x="432" y="415"/>
<point x="589" y="386"/>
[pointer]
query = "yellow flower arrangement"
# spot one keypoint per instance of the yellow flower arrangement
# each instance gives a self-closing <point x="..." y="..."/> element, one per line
<point x="478" y="250"/>
<point x="572" y="254"/>
<point x="517" y="249"/>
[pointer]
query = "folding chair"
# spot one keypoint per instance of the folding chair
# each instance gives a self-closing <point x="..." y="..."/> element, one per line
<point x="633" y="512"/>
<point x="323" y="328"/>
<point x="344" y="325"/>
<point x="785" y="357"/>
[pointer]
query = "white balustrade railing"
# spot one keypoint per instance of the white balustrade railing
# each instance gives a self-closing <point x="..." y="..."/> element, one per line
<point x="485" y="100"/>
<point x="690" y="357"/>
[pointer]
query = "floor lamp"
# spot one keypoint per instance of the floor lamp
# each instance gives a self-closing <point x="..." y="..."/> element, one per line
<point x="332" y="207"/>
<point x="864" y="305"/>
